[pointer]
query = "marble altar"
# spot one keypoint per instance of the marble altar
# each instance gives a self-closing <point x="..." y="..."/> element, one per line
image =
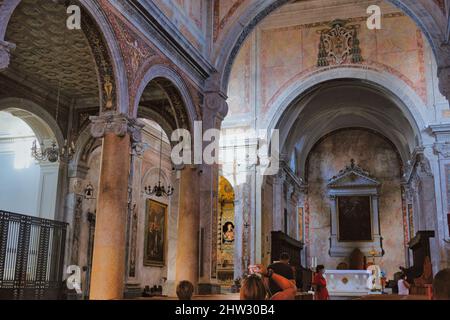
<point x="347" y="282"/>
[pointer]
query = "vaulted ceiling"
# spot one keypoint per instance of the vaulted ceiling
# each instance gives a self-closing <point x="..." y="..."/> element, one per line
<point x="48" y="55"/>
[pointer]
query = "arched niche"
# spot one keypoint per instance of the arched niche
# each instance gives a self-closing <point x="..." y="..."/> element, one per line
<point x="226" y="233"/>
<point x="31" y="186"/>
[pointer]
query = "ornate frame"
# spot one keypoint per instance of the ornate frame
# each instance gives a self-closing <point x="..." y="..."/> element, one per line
<point x="354" y="181"/>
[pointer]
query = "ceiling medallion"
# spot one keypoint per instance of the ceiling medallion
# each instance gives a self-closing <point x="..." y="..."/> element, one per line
<point x="339" y="44"/>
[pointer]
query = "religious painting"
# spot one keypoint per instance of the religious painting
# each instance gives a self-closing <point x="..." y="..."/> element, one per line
<point x="354" y="218"/>
<point x="155" y="233"/>
<point x="228" y="232"/>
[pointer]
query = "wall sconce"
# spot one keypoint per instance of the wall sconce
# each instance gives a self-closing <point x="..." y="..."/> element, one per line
<point x="89" y="192"/>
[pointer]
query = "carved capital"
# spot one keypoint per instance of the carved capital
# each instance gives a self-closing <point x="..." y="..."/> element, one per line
<point x="119" y="124"/>
<point x="5" y="53"/>
<point x="214" y="99"/>
<point x="138" y="148"/>
<point x="442" y="149"/>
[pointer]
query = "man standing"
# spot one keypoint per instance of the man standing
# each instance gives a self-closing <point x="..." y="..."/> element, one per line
<point x="282" y="268"/>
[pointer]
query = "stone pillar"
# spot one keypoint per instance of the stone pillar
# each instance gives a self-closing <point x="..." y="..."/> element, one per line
<point x="442" y="151"/>
<point x="132" y="285"/>
<point x="238" y="232"/>
<point x="187" y="259"/>
<point x="278" y="185"/>
<point x="5" y="54"/>
<point x="172" y="244"/>
<point x="108" y="266"/>
<point x="444" y="81"/>
<point x="215" y="109"/>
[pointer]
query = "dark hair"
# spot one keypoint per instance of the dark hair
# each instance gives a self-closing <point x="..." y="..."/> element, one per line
<point x="225" y="226"/>
<point x="253" y="288"/>
<point x="441" y="285"/>
<point x="285" y="256"/>
<point x="402" y="276"/>
<point x="185" y="290"/>
<point x="320" y="267"/>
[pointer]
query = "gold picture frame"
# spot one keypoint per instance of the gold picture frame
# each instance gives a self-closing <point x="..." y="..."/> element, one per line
<point x="155" y="236"/>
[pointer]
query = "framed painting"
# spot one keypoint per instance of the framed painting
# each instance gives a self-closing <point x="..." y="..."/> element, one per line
<point x="354" y="218"/>
<point x="155" y="233"/>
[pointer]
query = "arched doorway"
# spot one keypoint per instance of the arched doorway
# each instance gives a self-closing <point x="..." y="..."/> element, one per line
<point x="30" y="186"/>
<point x="225" y="234"/>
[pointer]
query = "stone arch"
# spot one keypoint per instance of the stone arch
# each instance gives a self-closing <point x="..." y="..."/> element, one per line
<point x="426" y="14"/>
<point x="154" y="172"/>
<point x="402" y="95"/>
<point x="42" y="123"/>
<point x="51" y="176"/>
<point x="160" y="71"/>
<point x="84" y="146"/>
<point x="96" y="21"/>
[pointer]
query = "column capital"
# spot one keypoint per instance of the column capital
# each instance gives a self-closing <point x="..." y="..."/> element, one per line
<point x="119" y="124"/>
<point x="214" y="99"/>
<point x="5" y="53"/>
<point x="442" y="149"/>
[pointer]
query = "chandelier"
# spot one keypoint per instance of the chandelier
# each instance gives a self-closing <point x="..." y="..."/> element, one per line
<point x="54" y="153"/>
<point x="158" y="190"/>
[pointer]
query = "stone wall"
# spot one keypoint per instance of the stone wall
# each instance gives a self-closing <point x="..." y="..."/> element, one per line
<point x="190" y="18"/>
<point x="375" y="154"/>
<point x="283" y="50"/>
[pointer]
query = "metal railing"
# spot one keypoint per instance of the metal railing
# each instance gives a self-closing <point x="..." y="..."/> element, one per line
<point x="31" y="257"/>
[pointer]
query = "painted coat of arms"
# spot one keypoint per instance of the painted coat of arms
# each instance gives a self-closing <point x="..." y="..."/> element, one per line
<point x="339" y="44"/>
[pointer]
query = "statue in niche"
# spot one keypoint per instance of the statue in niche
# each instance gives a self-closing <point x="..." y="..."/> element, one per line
<point x="228" y="233"/>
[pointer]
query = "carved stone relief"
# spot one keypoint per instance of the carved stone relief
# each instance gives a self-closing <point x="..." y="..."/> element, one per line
<point x="339" y="45"/>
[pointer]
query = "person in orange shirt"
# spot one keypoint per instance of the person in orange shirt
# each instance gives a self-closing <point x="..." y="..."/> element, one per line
<point x="320" y="283"/>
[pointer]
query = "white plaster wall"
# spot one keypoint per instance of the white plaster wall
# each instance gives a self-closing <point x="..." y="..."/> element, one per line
<point x="19" y="173"/>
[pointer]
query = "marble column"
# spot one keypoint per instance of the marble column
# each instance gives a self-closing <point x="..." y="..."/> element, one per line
<point x="5" y="54"/>
<point x="215" y="109"/>
<point x="187" y="262"/>
<point x="108" y="266"/>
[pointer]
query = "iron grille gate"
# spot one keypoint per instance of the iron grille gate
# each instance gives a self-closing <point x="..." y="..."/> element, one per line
<point x="31" y="257"/>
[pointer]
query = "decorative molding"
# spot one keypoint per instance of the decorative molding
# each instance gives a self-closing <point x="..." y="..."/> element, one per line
<point x="105" y="69"/>
<point x="353" y="176"/>
<point x="5" y="53"/>
<point x="354" y="181"/>
<point x="339" y="45"/>
<point x="119" y="124"/>
<point x="442" y="149"/>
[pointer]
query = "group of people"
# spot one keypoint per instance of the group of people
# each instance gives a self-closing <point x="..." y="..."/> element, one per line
<point x="277" y="282"/>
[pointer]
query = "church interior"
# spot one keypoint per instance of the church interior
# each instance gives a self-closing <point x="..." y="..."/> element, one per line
<point x="145" y="143"/>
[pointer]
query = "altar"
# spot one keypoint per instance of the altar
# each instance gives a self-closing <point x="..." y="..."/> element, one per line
<point x="351" y="283"/>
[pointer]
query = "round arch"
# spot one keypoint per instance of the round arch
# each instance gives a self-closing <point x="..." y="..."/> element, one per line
<point x="165" y="72"/>
<point x="404" y="96"/>
<point x="425" y="13"/>
<point x="42" y="123"/>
